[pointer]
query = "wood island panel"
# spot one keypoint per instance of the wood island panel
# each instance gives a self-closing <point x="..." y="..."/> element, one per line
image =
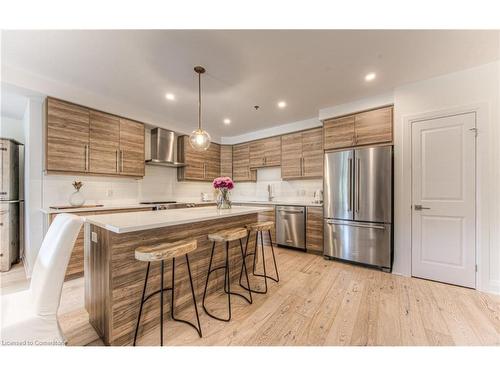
<point x="114" y="278"/>
<point x="75" y="265"/>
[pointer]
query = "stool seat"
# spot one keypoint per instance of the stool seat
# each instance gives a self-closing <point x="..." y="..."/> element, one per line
<point x="261" y="225"/>
<point x="227" y="235"/>
<point x="165" y="251"/>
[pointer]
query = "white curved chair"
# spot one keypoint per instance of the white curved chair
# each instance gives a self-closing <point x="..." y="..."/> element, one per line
<point x="30" y="316"/>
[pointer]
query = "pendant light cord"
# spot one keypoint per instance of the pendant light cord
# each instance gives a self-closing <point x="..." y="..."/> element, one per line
<point x="199" y="100"/>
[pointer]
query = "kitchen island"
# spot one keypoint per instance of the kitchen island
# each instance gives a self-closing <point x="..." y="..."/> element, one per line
<point x="114" y="278"/>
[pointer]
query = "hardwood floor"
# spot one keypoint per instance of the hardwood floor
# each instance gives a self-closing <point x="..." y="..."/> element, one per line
<point x="316" y="302"/>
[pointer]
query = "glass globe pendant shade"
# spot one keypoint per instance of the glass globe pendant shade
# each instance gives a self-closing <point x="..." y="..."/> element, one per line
<point x="200" y="140"/>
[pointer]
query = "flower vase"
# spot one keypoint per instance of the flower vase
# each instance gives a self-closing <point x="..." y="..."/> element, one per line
<point x="76" y="198"/>
<point x="223" y="201"/>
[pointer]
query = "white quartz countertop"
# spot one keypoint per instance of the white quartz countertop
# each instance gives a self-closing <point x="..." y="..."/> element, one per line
<point x="278" y="202"/>
<point x="136" y="221"/>
<point x="104" y="207"/>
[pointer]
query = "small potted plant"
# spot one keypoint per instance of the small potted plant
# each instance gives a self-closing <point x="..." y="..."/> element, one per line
<point x="76" y="198"/>
<point x="223" y="185"/>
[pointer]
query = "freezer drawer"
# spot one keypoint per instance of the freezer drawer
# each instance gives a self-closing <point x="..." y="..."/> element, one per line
<point x="366" y="243"/>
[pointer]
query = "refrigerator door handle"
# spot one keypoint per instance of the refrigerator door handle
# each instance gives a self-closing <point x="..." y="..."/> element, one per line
<point x="358" y="177"/>
<point x="350" y="185"/>
<point x="357" y="225"/>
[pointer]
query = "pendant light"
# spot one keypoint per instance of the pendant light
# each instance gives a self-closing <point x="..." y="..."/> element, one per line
<point x="199" y="139"/>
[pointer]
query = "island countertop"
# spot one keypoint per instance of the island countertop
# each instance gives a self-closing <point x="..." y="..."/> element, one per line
<point x="137" y="221"/>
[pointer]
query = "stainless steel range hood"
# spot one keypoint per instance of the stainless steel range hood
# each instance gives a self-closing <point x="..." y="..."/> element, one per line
<point x="163" y="149"/>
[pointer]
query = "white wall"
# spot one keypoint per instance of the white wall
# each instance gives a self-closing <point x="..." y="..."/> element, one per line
<point x="297" y="190"/>
<point x="477" y="89"/>
<point x="472" y="89"/>
<point x="12" y="128"/>
<point x="32" y="123"/>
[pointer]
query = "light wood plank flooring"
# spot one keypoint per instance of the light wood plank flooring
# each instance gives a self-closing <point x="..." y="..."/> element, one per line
<point x="317" y="302"/>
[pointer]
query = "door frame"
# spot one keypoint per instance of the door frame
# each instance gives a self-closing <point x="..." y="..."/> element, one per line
<point x="403" y="189"/>
<point x="475" y="185"/>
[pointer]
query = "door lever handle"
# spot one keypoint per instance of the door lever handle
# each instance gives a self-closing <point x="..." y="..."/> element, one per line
<point x="419" y="207"/>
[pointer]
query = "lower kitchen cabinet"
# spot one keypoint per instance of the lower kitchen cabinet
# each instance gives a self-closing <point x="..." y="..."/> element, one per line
<point x="314" y="229"/>
<point x="75" y="265"/>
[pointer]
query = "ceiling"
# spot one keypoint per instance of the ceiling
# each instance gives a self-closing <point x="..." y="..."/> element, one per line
<point x="309" y="69"/>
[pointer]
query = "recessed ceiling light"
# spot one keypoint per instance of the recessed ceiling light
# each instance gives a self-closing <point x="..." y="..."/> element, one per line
<point x="170" y="96"/>
<point x="227" y="121"/>
<point x="282" y="104"/>
<point x="370" y="77"/>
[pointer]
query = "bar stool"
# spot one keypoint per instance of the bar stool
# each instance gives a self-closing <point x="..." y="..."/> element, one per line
<point x="163" y="252"/>
<point x="226" y="236"/>
<point x="260" y="228"/>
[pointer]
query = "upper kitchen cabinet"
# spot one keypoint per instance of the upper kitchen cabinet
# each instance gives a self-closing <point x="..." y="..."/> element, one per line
<point x="364" y="128"/>
<point x="67" y="137"/>
<point x="104" y="143"/>
<point x="85" y="141"/>
<point x="265" y="152"/>
<point x="241" y="164"/>
<point x="199" y="165"/>
<point x="302" y="154"/>
<point x="226" y="160"/>
<point x="339" y="132"/>
<point x="373" y="126"/>
<point x="131" y="148"/>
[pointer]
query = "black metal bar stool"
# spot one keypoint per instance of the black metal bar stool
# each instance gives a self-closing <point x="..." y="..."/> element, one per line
<point x="226" y="236"/>
<point x="260" y="228"/>
<point x="163" y="252"/>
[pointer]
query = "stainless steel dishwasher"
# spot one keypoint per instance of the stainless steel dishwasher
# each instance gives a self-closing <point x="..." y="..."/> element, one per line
<point x="291" y="226"/>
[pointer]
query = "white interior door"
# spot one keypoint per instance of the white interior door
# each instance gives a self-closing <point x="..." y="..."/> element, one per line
<point x="443" y="194"/>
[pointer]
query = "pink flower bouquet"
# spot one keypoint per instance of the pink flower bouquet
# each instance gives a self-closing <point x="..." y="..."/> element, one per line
<point x="223" y="182"/>
<point x="223" y="185"/>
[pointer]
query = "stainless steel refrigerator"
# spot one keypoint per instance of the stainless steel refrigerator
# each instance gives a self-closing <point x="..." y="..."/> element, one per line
<point x="11" y="202"/>
<point x="358" y="205"/>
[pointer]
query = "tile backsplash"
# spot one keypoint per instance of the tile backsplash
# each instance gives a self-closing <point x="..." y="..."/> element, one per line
<point x="161" y="184"/>
<point x="285" y="190"/>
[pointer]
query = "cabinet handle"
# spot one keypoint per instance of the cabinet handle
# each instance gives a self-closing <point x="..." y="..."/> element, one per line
<point x="121" y="160"/>
<point x="116" y="164"/>
<point x="204" y="170"/>
<point x="86" y="157"/>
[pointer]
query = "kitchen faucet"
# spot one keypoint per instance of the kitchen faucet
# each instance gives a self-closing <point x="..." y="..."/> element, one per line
<point x="270" y="192"/>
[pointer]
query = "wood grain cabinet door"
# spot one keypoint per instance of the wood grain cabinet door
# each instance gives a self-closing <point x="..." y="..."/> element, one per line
<point x="212" y="162"/>
<point x="314" y="229"/>
<point x="195" y="169"/>
<point x="373" y="126"/>
<point x="241" y="164"/>
<point x="291" y="156"/>
<point x="272" y="151"/>
<point x="67" y="138"/>
<point x="312" y="153"/>
<point x="339" y="133"/>
<point x="104" y="143"/>
<point x="131" y="148"/>
<point x="257" y="154"/>
<point x="226" y="160"/>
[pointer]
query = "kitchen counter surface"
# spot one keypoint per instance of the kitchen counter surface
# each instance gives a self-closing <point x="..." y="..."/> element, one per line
<point x="105" y="207"/>
<point x="278" y="202"/>
<point x="136" y="221"/>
